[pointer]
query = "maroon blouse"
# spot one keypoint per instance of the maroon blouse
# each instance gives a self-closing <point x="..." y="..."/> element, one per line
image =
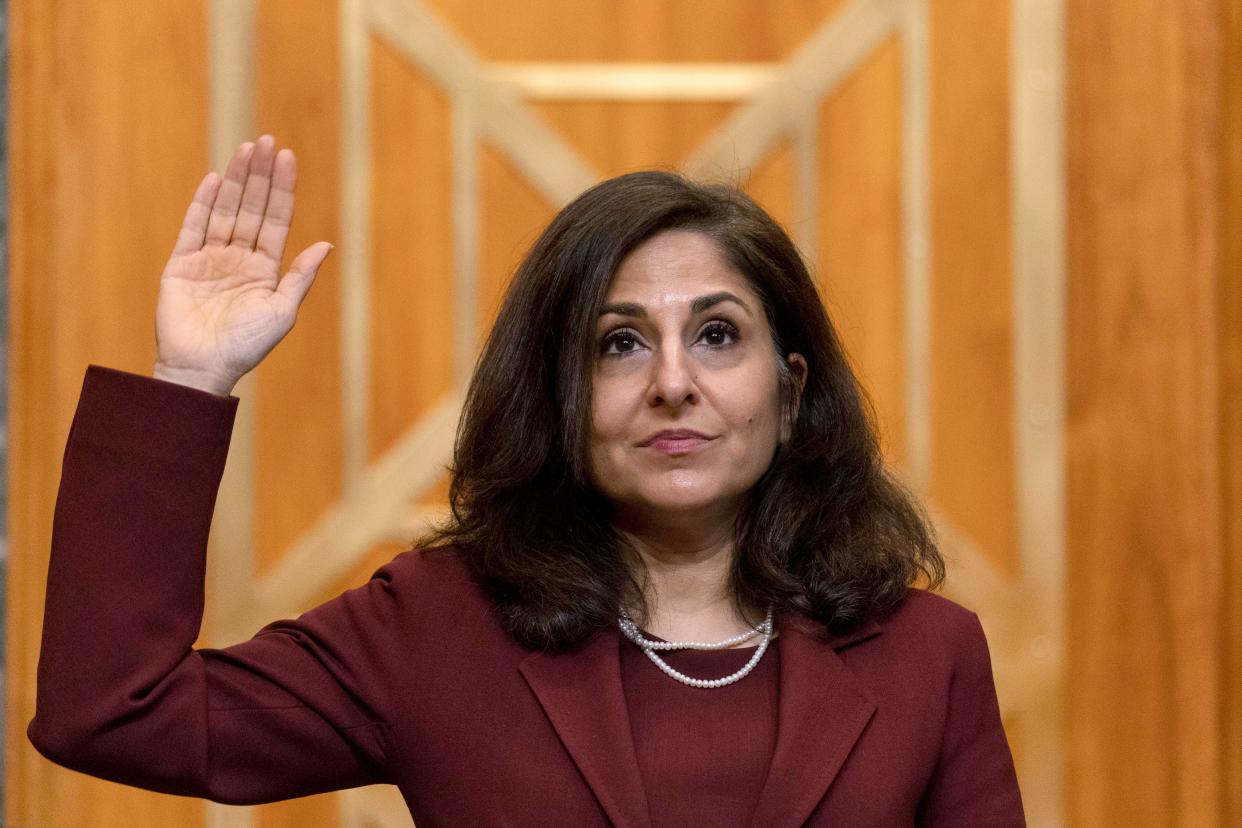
<point x="703" y="753"/>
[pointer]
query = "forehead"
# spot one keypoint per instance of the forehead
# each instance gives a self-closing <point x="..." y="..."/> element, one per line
<point x="673" y="266"/>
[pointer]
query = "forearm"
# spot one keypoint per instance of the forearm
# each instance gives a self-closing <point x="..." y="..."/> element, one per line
<point x="125" y="578"/>
<point x="122" y="694"/>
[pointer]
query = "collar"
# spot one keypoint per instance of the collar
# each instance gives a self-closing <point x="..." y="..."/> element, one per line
<point x="822" y="711"/>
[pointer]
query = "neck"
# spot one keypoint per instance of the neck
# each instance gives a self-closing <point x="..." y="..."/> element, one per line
<point x="686" y="584"/>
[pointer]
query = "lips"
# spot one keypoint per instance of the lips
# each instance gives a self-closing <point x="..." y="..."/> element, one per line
<point x="675" y="441"/>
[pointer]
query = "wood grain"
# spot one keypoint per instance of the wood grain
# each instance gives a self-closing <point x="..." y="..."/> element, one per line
<point x="618" y="137"/>
<point x="412" y="266"/>
<point x="298" y="442"/>
<point x="298" y="405"/>
<point x="1144" y="509"/>
<point x="514" y="214"/>
<point x="636" y="30"/>
<point x="859" y="258"/>
<point x="108" y="136"/>
<point x="1229" y="303"/>
<point x="107" y="141"/>
<point x="972" y="439"/>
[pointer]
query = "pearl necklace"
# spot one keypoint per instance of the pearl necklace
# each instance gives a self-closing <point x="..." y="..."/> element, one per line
<point x="649" y="646"/>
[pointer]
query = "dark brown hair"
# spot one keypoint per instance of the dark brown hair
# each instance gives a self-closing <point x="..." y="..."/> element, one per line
<point x="827" y="530"/>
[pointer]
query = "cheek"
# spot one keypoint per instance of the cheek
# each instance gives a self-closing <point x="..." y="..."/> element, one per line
<point x="755" y="405"/>
<point x="611" y="417"/>
<point x="604" y="412"/>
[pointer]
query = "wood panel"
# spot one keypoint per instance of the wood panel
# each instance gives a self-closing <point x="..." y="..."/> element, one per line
<point x="107" y="140"/>
<point x="298" y="446"/>
<point x="618" y="137"/>
<point x="771" y="184"/>
<point x="971" y="406"/>
<point x="109" y="135"/>
<point x="412" y="266"/>
<point x="859" y="257"/>
<point x="298" y="398"/>
<point x="514" y="214"/>
<point x="1229" y="299"/>
<point x="1144" y="511"/>
<point x="636" y="30"/>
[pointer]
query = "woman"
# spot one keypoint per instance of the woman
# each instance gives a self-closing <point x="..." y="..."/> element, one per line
<point x="662" y="444"/>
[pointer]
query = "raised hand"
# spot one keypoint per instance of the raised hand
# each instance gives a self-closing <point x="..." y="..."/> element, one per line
<point x="223" y="305"/>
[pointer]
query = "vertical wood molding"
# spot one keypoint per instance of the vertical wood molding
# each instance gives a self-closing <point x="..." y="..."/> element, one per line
<point x="230" y="554"/>
<point x="1145" y="511"/>
<point x="230" y="548"/>
<point x="355" y="224"/>
<point x="1037" y="164"/>
<point x="916" y="238"/>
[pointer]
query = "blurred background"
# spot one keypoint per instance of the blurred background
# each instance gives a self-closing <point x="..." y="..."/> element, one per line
<point x="1025" y="217"/>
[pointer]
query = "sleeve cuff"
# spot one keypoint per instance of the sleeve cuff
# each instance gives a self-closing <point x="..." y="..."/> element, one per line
<point x="149" y="417"/>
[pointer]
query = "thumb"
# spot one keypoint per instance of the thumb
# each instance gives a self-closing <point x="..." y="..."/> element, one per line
<point x="295" y="284"/>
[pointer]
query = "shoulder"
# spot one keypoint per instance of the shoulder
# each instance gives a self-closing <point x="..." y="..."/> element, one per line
<point x="421" y="562"/>
<point x="923" y="627"/>
<point x="937" y="627"/>
<point x="920" y="607"/>
<point x="426" y="584"/>
<point x="922" y="656"/>
<point x="433" y="571"/>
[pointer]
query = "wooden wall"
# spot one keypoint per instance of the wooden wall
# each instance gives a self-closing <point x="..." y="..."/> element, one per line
<point x="110" y="131"/>
<point x="106" y="137"/>
<point x="1154" y="410"/>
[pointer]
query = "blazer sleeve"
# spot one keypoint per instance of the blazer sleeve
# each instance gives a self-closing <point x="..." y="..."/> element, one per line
<point x="122" y="693"/>
<point x="974" y="783"/>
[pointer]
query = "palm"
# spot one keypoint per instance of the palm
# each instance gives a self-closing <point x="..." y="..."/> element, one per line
<point x="223" y="305"/>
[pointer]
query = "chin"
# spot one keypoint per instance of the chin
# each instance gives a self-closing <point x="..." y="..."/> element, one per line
<point x="689" y="501"/>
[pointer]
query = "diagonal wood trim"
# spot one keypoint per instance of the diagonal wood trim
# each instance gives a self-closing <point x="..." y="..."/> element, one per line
<point x="537" y="150"/>
<point x="325" y="553"/>
<point x="974" y="575"/>
<point x="374" y="806"/>
<point x="1026" y="661"/>
<point x="829" y="56"/>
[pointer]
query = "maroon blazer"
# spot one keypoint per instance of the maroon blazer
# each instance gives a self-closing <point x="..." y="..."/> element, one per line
<point x="410" y="680"/>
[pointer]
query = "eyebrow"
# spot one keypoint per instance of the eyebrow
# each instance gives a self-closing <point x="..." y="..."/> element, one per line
<point x="697" y="306"/>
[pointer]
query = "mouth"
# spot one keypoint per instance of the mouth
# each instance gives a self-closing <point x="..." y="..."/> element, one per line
<point x="675" y="441"/>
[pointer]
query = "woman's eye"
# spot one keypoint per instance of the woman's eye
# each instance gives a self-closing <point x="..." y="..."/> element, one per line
<point x="718" y="334"/>
<point x="619" y="342"/>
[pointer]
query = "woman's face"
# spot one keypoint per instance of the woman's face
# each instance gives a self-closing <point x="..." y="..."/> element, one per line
<point x="686" y="409"/>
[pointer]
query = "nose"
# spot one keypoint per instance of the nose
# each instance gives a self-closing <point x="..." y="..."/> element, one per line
<point x="673" y="379"/>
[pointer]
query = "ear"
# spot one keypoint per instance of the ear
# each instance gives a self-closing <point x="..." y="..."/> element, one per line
<point x="797" y="370"/>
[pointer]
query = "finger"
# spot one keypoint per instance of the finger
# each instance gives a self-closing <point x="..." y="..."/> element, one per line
<point x="254" y="196"/>
<point x="279" y="214"/>
<point x="224" y="210"/>
<point x="295" y="284"/>
<point x="194" y="227"/>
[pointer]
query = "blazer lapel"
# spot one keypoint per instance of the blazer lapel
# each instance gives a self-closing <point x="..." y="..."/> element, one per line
<point x="582" y="695"/>
<point x="820" y="715"/>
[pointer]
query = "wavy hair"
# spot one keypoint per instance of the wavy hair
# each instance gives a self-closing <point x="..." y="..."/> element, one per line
<point x="827" y="530"/>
